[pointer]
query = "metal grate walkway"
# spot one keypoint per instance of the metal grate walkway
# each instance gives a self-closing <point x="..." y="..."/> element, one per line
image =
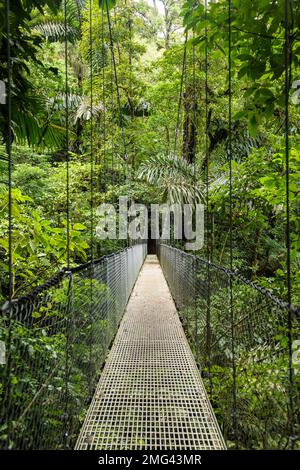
<point x="150" y="394"/>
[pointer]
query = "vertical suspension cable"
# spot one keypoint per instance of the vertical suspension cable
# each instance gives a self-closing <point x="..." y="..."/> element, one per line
<point x="7" y="401"/>
<point x="91" y="195"/>
<point x="103" y="83"/>
<point x="116" y="76"/>
<point x="287" y="151"/>
<point x="183" y="70"/>
<point x="194" y="195"/>
<point x="68" y="307"/>
<point x="208" y="227"/>
<point x="112" y="117"/>
<point x="130" y="81"/>
<point x="125" y="157"/>
<point x="230" y="130"/>
<point x="128" y="172"/>
<point x="179" y="106"/>
<point x="103" y="65"/>
<point x="120" y="142"/>
<point x="98" y="127"/>
<point x="9" y="152"/>
<point x="67" y="122"/>
<point x="91" y="134"/>
<point x="288" y="240"/>
<point x="206" y="131"/>
<point x="129" y="166"/>
<point x="234" y="391"/>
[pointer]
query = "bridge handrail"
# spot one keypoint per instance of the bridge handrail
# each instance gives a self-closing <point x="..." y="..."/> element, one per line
<point x="56" y="279"/>
<point x="236" y="274"/>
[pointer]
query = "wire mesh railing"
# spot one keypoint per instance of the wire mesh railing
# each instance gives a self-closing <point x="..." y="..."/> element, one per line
<point x="239" y="335"/>
<point x="54" y="343"/>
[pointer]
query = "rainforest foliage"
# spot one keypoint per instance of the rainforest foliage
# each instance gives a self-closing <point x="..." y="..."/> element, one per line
<point x="148" y="43"/>
<point x="146" y="100"/>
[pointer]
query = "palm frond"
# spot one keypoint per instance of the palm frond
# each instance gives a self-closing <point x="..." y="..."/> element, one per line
<point x="174" y="176"/>
<point x="159" y="166"/>
<point x="242" y="144"/>
<point x="85" y="110"/>
<point x="58" y="102"/>
<point x="180" y="191"/>
<point x="53" y="27"/>
<point x="55" y="31"/>
<point x="27" y="129"/>
<point x="218" y="183"/>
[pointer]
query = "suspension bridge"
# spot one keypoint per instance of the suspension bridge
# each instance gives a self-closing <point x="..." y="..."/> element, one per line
<point x="150" y="380"/>
<point x="132" y="351"/>
<point x="153" y="392"/>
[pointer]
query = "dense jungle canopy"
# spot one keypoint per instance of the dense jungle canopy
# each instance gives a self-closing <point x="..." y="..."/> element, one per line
<point x="153" y="78"/>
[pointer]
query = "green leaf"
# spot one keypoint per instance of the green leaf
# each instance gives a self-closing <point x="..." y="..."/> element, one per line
<point x="107" y="4"/>
<point x="253" y="124"/>
<point x="263" y="95"/>
<point x="240" y="115"/>
<point x="79" y="226"/>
